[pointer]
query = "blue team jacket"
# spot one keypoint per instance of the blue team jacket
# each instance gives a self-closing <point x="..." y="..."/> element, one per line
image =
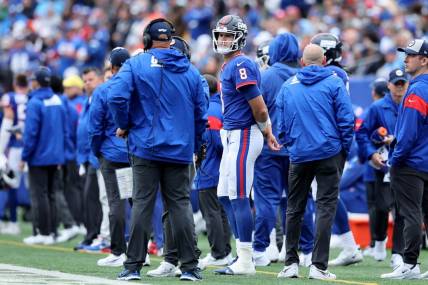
<point x="317" y="120"/>
<point x="382" y="113"/>
<point x="45" y="129"/>
<point x="84" y="153"/>
<point x="282" y="50"/>
<point x="208" y="174"/>
<point x="102" y="129"/>
<point x="158" y="96"/>
<point x="72" y="120"/>
<point x="411" y="132"/>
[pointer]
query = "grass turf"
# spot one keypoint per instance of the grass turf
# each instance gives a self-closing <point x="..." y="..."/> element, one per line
<point x="62" y="258"/>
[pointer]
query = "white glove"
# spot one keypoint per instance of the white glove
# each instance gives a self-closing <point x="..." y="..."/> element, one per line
<point x="82" y="170"/>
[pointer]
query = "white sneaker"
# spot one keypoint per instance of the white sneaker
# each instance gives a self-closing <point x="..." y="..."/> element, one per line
<point x="405" y="271"/>
<point x="272" y="252"/>
<point x="242" y="267"/>
<point x="347" y="257"/>
<point x="49" y="240"/>
<point x="368" y="251"/>
<point x="68" y="234"/>
<point x="209" y="260"/>
<point x="424" y="275"/>
<point x="10" y="229"/>
<point x="335" y="241"/>
<point x="282" y="253"/>
<point x="379" y="250"/>
<point x="82" y="230"/>
<point x="305" y="259"/>
<point x="261" y="259"/>
<point x="147" y="261"/>
<point x="396" y="260"/>
<point x="316" y="273"/>
<point x="289" y="271"/>
<point x="112" y="260"/>
<point x="39" y="239"/>
<point x="165" y="269"/>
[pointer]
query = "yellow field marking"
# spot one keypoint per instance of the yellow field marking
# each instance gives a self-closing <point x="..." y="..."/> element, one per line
<point x="65" y="249"/>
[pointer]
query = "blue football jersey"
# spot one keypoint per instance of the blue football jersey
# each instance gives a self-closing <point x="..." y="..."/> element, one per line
<point x="18" y="103"/>
<point x="240" y="71"/>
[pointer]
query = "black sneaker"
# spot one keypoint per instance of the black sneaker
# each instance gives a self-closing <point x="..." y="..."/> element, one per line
<point x="191" y="276"/>
<point x="127" y="275"/>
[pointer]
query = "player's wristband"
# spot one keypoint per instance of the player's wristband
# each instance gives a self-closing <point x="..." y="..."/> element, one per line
<point x="264" y="125"/>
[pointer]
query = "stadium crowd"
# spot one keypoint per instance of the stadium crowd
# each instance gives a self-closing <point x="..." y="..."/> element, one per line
<point x="246" y="141"/>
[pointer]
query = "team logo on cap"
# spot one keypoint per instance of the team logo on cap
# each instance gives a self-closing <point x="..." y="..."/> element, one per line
<point x="412" y="43"/>
<point x="399" y="73"/>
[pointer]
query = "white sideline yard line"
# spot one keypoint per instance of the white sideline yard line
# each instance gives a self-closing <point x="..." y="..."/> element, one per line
<point x="29" y="275"/>
<point x="64" y="249"/>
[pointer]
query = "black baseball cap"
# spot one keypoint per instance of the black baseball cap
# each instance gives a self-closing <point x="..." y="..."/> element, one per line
<point x="43" y="76"/>
<point x="161" y="31"/>
<point x="416" y="47"/>
<point x="380" y="86"/>
<point x="398" y="75"/>
<point x="118" y="56"/>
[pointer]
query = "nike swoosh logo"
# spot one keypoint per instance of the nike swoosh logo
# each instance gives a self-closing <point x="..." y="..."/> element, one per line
<point x="238" y="64"/>
<point x="411" y="101"/>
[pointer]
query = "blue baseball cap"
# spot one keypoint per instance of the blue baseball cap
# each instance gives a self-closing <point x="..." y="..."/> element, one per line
<point x="398" y="75"/>
<point x="416" y="47"/>
<point x="42" y="75"/>
<point x="118" y="56"/>
<point x="161" y="31"/>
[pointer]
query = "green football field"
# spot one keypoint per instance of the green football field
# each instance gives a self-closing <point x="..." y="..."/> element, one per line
<point x="62" y="258"/>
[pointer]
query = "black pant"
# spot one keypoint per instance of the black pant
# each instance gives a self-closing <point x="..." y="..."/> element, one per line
<point x="63" y="210"/>
<point x="327" y="173"/>
<point x="371" y="201"/>
<point x="42" y="183"/>
<point x="411" y="190"/>
<point x="91" y="204"/>
<point x="73" y="190"/>
<point x="174" y="183"/>
<point x="383" y="205"/>
<point x="218" y="229"/>
<point x="117" y="206"/>
<point x="170" y="248"/>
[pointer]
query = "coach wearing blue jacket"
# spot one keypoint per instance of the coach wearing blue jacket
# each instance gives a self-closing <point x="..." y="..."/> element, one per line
<point x="44" y="147"/>
<point x="89" y="163"/>
<point x="382" y="113"/>
<point x="409" y="159"/>
<point x="112" y="154"/>
<point x="157" y="99"/>
<point x="271" y="168"/>
<point x="316" y="125"/>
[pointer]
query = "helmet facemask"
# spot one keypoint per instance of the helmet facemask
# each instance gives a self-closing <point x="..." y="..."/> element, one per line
<point x="220" y="47"/>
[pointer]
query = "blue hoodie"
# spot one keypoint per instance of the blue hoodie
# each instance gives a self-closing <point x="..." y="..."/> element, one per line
<point x="283" y="49"/>
<point x="45" y="129"/>
<point x="411" y="132"/>
<point x="102" y="129"/>
<point x="316" y="117"/>
<point x="208" y="174"/>
<point x="158" y="96"/>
